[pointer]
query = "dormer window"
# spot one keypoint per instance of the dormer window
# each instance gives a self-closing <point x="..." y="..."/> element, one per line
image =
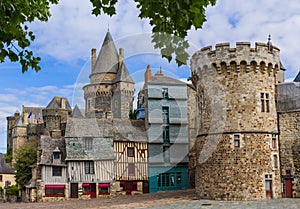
<point x="56" y="155"/>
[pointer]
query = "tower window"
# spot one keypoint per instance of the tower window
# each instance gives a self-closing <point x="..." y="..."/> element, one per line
<point x="237" y="141"/>
<point x="275" y="160"/>
<point x="274" y="141"/>
<point x="265" y="102"/>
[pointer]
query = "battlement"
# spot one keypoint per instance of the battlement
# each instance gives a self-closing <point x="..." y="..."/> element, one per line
<point x="224" y="59"/>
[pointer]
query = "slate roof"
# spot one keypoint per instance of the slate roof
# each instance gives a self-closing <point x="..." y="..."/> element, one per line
<point x="108" y="58"/>
<point x="160" y="78"/>
<point x="4" y="167"/>
<point x="288" y="97"/>
<point x="56" y="103"/>
<point x="297" y="79"/>
<point x="88" y="127"/>
<point x="123" y="74"/>
<point x="130" y="130"/>
<point x="77" y="113"/>
<point x="48" y="145"/>
<point x="118" y="129"/>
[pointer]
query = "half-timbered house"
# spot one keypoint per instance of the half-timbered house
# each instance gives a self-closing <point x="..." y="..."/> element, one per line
<point x="131" y="164"/>
<point x="90" y="156"/>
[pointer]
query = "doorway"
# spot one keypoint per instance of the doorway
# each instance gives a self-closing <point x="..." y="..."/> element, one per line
<point x="289" y="188"/>
<point x="268" y="186"/>
<point x="74" y="190"/>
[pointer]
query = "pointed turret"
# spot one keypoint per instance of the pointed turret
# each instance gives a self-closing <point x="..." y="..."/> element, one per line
<point x="76" y="112"/>
<point x="107" y="60"/>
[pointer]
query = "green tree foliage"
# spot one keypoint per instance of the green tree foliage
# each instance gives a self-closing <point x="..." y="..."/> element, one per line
<point x="15" y="38"/>
<point x="25" y="157"/>
<point x="13" y="190"/>
<point x="8" y="156"/>
<point x="170" y="21"/>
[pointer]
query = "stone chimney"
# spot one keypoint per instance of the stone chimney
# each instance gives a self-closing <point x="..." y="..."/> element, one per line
<point x="93" y="58"/>
<point x="121" y="55"/>
<point x="148" y="74"/>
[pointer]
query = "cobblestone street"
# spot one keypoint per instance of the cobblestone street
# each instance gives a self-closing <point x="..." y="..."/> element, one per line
<point x="173" y="199"/>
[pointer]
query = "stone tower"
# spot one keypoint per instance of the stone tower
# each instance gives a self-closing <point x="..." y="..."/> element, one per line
<point x="237" y="136"/>
<point x="55" y="117"/>
<point x="11" y="121"/>
<point x="111" y="88"/>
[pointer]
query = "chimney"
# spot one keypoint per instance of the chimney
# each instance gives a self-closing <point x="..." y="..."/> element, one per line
<point x="148" y="74"/>
<point x="121" y="55"/>
<point x="93" y="58"/>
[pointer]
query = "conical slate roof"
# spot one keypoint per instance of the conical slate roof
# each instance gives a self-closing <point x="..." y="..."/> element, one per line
<point x="297" y="79"/>
<point x="76" y="112"/>
<point x="107" y="60"/>
<point x="123" y="74"/>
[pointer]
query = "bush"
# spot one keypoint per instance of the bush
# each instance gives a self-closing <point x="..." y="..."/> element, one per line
<point x="13" y="190"/>
<point x="1" y="192"/>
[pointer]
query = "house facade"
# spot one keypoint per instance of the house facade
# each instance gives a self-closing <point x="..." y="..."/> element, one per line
<point x="164" y="102"/>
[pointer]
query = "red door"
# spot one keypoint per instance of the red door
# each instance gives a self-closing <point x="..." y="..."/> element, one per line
<point x="288" y="188"/>
<point x="268" y="189"/>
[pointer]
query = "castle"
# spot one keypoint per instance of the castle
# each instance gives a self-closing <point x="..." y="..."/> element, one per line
<point x="247" y="140"/>
<point x="99" y="151"/>
<point x="238" y="125"/>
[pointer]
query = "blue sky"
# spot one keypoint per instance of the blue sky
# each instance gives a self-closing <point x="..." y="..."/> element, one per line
<point x="65" y="41"/>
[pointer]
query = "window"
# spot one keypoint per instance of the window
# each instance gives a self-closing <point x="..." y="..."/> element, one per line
<point x="56" y="171"/>
<point x="166" y="153"/>
<point x="1" y="178"/>
<point x="178" y="178"/>
<point x="165" y="179"/>
<point x="89" y="104"/>
<point x="275" y="159"/>
<point x="165" y="113"/>
<point x="265" y="102"/>
<point x="237" y="142"/>
<point x="158" y="180"/>
<point x="274" y="141"/>
<point x="103" y="189"/>
<point x="56" y="155"/>
<point x="165" y="93"/>
<point x="130" y="151"/>
<point x="89" y="167"/>
<point x="131" y="169"/>
<point x="55" y="190"/>
<point x="166" y="134"/>
<point x="88" y="142"/>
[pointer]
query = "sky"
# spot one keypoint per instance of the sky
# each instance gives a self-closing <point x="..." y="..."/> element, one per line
<point x="64" y="43"/>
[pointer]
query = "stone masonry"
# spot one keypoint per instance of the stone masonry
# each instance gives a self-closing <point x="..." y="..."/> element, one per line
<point x="236" y="121"/>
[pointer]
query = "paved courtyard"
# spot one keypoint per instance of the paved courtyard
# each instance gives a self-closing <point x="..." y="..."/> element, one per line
<point x="174" y="199"/>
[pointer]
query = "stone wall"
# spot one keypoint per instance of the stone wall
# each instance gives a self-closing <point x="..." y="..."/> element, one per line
<point x="290" y="149"/>
<point x="192" y="133"/>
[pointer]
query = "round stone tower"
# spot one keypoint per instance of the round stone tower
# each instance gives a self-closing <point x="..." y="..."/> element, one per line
<point x="237" y="136"/>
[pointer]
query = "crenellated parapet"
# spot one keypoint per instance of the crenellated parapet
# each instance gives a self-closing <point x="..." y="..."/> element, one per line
<point x="241" y="59"/>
